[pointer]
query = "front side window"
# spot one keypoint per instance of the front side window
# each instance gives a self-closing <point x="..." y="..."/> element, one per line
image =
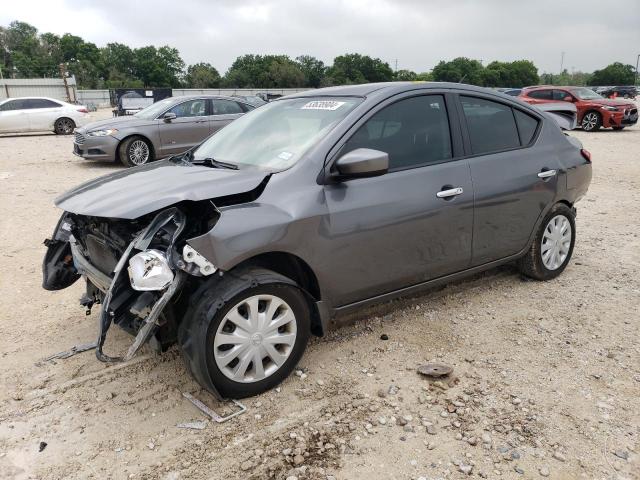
<point x="491" y="125"/>
<point x="192" y="108"/>
<point x="276" y="135"/>
<point x="541" y="94"/>
<point x="560" y="95"/>
<point x="226" y="107"/>
<point x="413" y="131"/>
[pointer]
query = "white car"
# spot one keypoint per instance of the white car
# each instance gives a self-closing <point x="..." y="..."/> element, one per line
<point x="37" y="114"/>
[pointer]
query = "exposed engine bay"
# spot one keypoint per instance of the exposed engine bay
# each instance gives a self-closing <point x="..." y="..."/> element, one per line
<point x="134" y="269"/>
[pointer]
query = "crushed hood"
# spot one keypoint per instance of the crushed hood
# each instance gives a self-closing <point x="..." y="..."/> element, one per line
<point x="137" y="191"/>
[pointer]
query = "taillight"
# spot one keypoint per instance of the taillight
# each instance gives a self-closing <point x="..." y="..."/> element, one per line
<point x="83" y="110"/>
<point x="586" y="154"/>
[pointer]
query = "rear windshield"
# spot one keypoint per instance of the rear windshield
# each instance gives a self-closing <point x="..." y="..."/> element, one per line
<point x="277" y="134"/>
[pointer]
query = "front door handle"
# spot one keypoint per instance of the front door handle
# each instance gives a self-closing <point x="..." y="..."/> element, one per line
<point x="452" y="192"/>
<point x="547" y="173"/>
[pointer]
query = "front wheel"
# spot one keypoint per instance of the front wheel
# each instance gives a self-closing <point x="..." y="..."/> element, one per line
<point x="245" y="333"/>
<point x="552" y="246"/>
<point x="591" y="121"/>
<point x="64" y="126"/>
<point x="135" y="151"/>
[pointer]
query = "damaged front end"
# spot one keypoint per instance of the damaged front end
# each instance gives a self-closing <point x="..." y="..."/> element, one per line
<point x="133" y="269"/>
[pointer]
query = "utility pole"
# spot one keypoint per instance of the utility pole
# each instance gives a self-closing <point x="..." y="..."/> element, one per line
<point x="637" y="61"/>
<point x="561" y="62"/>
<point x="63" y="74"/>
<point x="397" y="66"/>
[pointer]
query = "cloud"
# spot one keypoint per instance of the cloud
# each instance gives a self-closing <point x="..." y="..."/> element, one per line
<point x="416" y="33"/>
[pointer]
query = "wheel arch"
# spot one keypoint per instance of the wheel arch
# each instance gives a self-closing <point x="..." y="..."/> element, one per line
<point x="141" y="135"/>
<point x="63" y="117"/>
<point x="299" y="271"/>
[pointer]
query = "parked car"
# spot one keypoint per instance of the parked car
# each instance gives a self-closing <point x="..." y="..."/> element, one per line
<point x="40" y="114"/>
<point x="311" y="207"/>
<point x="619" y="92"/>
<point x="251" y="99"/>
<point x="594" y="111"/>
<point x="167" y="127"/>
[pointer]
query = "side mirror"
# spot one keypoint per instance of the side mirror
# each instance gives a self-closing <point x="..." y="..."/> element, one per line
<point x="568" y="98"/>
<point x="167" y="117"/>
<point x="362" y="162"/>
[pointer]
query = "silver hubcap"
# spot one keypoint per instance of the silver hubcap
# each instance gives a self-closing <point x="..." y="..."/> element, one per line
<point x="589" y="121"/>
<point x="139" y="152"/>
<point x="556" y="242"/>
<point x="66" y="126"/>
<point x="255" y="338"/>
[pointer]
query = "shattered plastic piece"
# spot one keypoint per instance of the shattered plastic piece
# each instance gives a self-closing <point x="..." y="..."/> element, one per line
<point x="384" y="336"/>
<point x="214" y="416"/>
<point x="42" y="446"/>
<point x="83" y="347"/>
<point x="435" y="370"/>
<point x="197" y="425"/>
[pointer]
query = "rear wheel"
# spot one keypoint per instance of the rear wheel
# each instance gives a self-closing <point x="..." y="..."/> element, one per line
<point x="64" y="126"/>
<point x="135" y="151"/>
<point x="245" y="333"/>
<point x="591" y="121"/>
<point x="552" y="246"/>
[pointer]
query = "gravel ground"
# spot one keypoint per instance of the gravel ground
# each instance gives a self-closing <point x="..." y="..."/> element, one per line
<point x="546" y="377"/>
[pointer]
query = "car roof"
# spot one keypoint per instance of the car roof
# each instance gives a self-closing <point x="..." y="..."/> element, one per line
<point x="366" y="89"/>
<point x="33" y="98"/>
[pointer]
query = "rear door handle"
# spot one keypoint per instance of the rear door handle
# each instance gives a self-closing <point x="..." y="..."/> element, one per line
<point x="452" y="192"/>
<point x="547" y="173"/>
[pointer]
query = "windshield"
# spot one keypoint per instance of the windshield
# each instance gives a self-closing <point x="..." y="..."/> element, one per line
<point x="585" y="94"/>
<point x="155" y="109"/>
<point x="277" y="134"/>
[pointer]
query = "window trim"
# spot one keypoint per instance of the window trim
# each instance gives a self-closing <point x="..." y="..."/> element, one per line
<point x="457" y="151"/>
<point x="465" y="128"/>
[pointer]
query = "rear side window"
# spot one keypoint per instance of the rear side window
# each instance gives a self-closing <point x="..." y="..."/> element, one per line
<point x="527" y="126"/>
<point x="414" y="132"/>
<point x="40" y="103"/>
<point x="491" y="125"/>
<point x="226" y="107"/>
<point x="12" y="105"/>
<point x="541" y="94"/>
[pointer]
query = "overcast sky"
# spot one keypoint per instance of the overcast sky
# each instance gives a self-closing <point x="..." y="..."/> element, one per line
<point x="418" y="33"/>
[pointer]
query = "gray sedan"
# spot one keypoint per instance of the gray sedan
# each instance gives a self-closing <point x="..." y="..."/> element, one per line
<point x="166" y="128"/>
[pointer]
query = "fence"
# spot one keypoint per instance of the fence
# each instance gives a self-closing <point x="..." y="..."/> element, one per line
<point x="38" y="87"/>
<point x="100" y="98"/>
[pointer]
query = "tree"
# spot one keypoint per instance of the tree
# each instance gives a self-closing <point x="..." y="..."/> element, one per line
<point x="405" y="76"/>
<point x="459" y="70"/>
<point x="314" y="70"/>
<point x="158" y="67"/>
<point x="264" y="71"/>
<point x="355" y="68"/>
<point x="510" y="74"/>
<point x="202" y="75"/>
<point x="615" y="74"/>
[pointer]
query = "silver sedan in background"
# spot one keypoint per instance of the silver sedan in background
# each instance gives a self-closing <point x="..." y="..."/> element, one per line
<point x="167" y="127"/>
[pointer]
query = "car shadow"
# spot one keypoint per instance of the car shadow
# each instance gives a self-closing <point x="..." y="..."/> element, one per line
<point x="36" y="134"/>
<point x="96" y="165"/>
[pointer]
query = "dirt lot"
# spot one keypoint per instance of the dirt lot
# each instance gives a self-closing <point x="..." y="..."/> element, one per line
<point x="548" y="374"/>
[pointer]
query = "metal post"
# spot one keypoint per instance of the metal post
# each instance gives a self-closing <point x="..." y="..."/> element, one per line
<point x="64" y="79"/>
<point x="637" y="61"/>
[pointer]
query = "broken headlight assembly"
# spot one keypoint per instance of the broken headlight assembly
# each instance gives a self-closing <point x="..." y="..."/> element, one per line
<point x="150" y="270"/>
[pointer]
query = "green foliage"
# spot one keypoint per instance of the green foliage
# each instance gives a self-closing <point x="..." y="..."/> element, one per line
<point x="459" y="70"/>
<point x="353" y="68"/>
<point x="615" y="74"/>
<point x="405" y="76"/>
<point x="202" y="75"/>
<point x="264" y="71"/>
<point x="314" y="70"/>
<point x="497" y="74"/>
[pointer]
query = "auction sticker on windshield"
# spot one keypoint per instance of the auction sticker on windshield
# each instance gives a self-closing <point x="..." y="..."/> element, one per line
<point x="322" y="105"/>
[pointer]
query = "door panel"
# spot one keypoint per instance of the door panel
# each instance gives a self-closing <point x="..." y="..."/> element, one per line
<point x="42" y="118"/>
<point x="190" y="127"/>
<point x="13" y="117"/>
<point x="403" y="233"/>
<point x="509" y="194"/>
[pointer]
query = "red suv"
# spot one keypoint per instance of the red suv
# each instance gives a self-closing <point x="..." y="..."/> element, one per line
<point x="594" y="111"/>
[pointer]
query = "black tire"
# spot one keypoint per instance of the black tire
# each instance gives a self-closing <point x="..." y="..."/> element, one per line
<point x="64" y="126"/>
<point x="618" y="129"/>
<point x="208" y="307"/>
<point x="532" y="264"/>
<point x="591" y="121"/>
<point x="135" y="151"/>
